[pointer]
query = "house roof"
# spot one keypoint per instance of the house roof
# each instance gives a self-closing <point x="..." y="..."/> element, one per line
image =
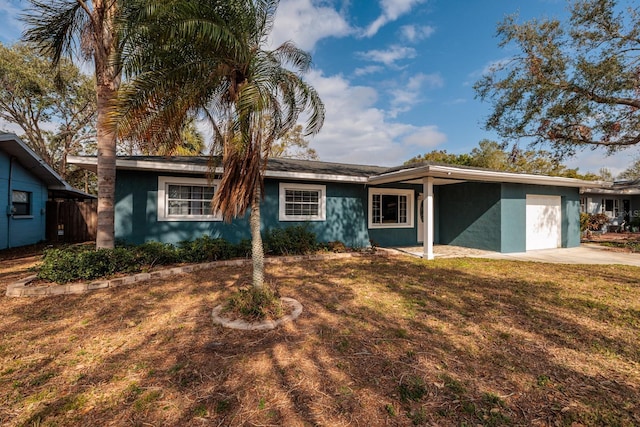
<point x="625" y="187"/>
<point x="341" y="172"/>
<point x="13" y="146"/>
<point x="276" y="168"/>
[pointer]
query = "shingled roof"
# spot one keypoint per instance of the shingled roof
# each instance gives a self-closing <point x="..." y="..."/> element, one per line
<point x="200" y="164"/>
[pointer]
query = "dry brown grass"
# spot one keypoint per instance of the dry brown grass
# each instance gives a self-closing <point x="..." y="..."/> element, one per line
<point x="395" y="341"/>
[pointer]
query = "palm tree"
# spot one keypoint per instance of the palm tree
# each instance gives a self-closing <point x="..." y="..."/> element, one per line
<point x="251" y="95"/>
<point x="88" y="29"/>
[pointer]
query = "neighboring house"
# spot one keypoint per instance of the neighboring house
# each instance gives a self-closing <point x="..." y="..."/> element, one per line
<point x="26" y="184"/>
<point x="167" y="199"/>
<point x="620" y="201"/>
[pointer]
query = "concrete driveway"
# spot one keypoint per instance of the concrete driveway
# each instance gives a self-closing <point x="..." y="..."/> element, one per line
<point x="584" y="254"/>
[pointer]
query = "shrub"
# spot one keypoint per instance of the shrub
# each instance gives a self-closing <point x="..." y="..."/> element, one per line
<point x="86" y="263"/>
<point x="156" y="253"/>
<point x="243" y="249"/>
<point x="294" y="240"/>
<point x="66" y="265"/>
<point x="594" y="222"/>
<point x="58" y="265"/>
<point x="206" y="248"/>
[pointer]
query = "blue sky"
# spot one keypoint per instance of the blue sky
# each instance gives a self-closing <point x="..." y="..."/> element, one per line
<point x="396" y="76"/>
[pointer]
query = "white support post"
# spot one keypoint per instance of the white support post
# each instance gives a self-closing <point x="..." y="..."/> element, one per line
<point x="427" y="184"/>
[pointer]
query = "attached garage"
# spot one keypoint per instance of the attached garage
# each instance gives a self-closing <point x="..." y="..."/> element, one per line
<point x="544" y="222"/>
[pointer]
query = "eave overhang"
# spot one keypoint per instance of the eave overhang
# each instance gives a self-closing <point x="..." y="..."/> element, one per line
<point x="416" y="174"/>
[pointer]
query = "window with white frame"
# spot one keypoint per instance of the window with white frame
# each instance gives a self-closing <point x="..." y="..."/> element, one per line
<point x="21" y="201"/>
<point x="302" y="202"/>
<point x="390" y="208"/>
<point x="185" y="199"/>
<point x="610" y="207"/>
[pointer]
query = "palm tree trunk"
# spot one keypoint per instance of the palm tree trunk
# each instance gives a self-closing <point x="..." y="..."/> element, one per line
<point x="105" y="237"/>
<point x="257" y="250"/>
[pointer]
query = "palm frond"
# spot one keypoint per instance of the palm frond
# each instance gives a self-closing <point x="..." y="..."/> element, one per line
<point x="56" y="27"/>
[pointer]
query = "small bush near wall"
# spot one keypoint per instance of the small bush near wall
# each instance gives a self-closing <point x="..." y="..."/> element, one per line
<point x="593" y="222"/>
<point x="85" y="263"/>
<point x="66" y="265"/>
<point x="294" y="240"/>
<point x="156" y="253"/>
<point x="206" y="249"/>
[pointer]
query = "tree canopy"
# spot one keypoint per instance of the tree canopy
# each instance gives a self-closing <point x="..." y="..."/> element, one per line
<point x="54" y="108"/>
<point x="495" y="156"/>
<point x="632" y="172"/>
<point x="573" y="84"/>
<point x="293" y="145"/>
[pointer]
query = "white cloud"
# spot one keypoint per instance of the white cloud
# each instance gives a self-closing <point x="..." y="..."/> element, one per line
<point x="305" y="23"/>
<point x="416" y="33"/>
<point x="391" y="10"/>
<point x="370" y="69"/>
<point x="431" y="80"/>
<point x="356" y="131"/>
<point x="388" y="56"/>
<point x="406" y="97"/>
<point x="425" y="137"/>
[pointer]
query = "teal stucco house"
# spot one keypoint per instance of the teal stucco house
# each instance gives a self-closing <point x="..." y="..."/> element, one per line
<point x="26" y="184"/>
<point x="167" y="199"/>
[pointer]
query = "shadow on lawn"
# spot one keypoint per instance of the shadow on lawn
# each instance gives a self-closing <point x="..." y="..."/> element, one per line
<point x="380" y="342"/>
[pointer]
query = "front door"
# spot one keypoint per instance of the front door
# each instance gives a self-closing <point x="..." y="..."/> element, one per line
<point x="421" y="218"/>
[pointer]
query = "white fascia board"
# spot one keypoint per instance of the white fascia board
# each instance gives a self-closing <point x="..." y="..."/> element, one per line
<point x="309" y="176"/>
<point x="91" y="164"/>
<point x="482" y="175"/>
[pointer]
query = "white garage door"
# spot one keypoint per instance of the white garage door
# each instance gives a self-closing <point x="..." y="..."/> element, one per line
<point x="544" y="228"/>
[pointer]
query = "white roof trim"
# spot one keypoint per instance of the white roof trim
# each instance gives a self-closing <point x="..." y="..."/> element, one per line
<point x="308" y="176"/>
<point x="453" y="172"/>
<point x="91" y="163"/>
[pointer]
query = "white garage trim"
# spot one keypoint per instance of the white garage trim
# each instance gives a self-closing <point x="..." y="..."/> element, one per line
<point x="544" y="222"/>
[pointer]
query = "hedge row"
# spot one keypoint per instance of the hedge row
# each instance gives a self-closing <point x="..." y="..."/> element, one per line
<point x="83" y="263"/>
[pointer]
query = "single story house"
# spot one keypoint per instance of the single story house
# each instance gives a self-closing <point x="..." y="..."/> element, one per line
<point x="26" y="184"/>
<point x="167" y="199"/>
<point x="620" y="201"/>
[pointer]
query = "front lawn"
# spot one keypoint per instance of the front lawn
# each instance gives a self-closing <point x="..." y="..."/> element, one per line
<point x="381" y="341"/>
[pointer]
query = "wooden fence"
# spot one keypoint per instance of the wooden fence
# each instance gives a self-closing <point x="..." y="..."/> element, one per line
<point x="72" y="221"/>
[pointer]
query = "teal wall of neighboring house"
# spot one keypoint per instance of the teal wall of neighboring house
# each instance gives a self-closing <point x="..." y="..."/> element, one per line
<point x="469" y="215"/>
<point x="21" y="230"/>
